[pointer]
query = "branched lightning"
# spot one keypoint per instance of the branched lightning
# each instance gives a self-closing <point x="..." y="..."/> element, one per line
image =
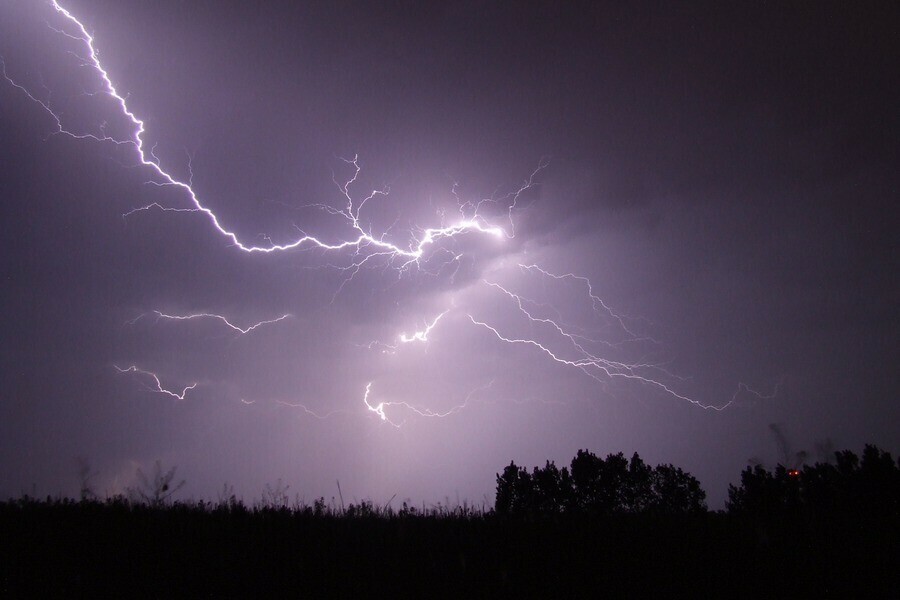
<point x="365" y="245"/>
<point x="597" y="367"/>
<point x="158" y="385"/>
<point x="363" y="241"/>
<point x="366" y="248"/>
<point x="598" y="304"/>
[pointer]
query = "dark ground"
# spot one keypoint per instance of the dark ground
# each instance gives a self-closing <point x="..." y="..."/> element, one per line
<point x="115" y="549"/>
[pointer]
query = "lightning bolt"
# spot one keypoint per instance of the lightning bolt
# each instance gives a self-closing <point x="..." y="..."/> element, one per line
<point x="311" y="412"/>
<point x="366" y="248"/>
<point x="403" y="338"/>
<point x="379" y="409"/>
<point x="240" y="330"/>
<point x="422" y="336"/>
<point x="159" y="388"/>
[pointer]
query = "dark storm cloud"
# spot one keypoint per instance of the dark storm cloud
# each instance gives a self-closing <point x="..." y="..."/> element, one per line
<point x="725" y="172"/>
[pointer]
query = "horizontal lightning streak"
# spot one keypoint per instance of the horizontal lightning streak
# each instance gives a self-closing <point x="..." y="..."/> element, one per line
<point x="379" y="409"/>
<point x="241" y="330"/>
<point x="311" y="412"/>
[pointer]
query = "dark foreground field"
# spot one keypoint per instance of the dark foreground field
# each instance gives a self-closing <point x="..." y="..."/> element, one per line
<point x="121" y="549"/>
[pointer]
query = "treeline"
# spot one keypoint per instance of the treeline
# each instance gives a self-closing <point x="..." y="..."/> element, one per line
<point x="591" y="485"/>
<point x="849" y="486"/>
<point x="597" y="486"/>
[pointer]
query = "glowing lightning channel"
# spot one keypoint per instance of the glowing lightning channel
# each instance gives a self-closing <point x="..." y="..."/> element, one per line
<point x="241" y="330"/>
<point x="598" y="368"/>
<point x="595" y="300"/>
<point x="403" y="338"/>
<point x="379" y="409"/>
<point x="422" y="336"/>
<point x="363" y="239"/>
<point x="159" y="388"/>
<point x="311" y="412"/>
<point x="573" y="338"/>
<point x="587" y="364"/>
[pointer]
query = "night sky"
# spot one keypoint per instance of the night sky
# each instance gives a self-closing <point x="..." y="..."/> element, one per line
<point x="724" y="175"/>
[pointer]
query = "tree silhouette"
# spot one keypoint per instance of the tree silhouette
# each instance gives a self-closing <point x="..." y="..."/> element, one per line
<point x="600" y="484"/>
<point x="552" y="489"/>
<point x="515" y="490"/>
<point x="676" y="492"/>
